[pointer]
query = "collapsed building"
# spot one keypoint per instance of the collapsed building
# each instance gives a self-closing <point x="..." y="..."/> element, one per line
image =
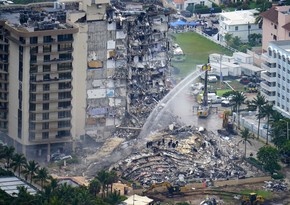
<point x="73" y="69"/>
<point x="182" y="154"/>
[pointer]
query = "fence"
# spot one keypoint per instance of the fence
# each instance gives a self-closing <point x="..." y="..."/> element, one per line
<point x="253" y="127"/>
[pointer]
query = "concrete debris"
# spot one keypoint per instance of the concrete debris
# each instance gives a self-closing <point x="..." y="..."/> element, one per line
<point x="181" y="154"/>
<point x="275" y="186"/>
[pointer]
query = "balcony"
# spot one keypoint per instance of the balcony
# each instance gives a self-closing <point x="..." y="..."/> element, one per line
<point x="270" y="97"/>
<point x="68" y="108"/>
<point x="267" y="86"/>
<point x="37" y="120"/>
<point x="266" y="76"/>
<point x="269" y="67"/>
<point x="39" y="91"/>
<point x="54" y="80"/>
<point x="266" y="58"/>
<point x="53" y="61"/>
<point x="51" y="100"/>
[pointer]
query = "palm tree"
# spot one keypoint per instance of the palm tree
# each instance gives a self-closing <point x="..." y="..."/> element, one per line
<point x="41" y="175"/>
<point x="8" y="153"/>
<point x="30" y="169"/>
<point x="238" y="98"/>
<point x="95" y="187"/>
<point x="246" y="136"/>
<point x="259" y="101"/>
<point x="114" y="198"/>
<point x="267" y="110"/>
<point x="102" y="176"/>
<point x="18" y="161"/>
<point x="112" y="178"/>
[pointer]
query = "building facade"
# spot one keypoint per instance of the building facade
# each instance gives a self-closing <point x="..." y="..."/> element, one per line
<point x="276" y="77"/>
<point x="77" y="69"/>
<point x="276" y="25"/>
<point x="238" y="23"/>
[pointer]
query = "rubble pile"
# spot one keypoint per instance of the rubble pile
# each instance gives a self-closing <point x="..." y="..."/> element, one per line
<point x="275" y="186"/>
<point x="182" y="154"/>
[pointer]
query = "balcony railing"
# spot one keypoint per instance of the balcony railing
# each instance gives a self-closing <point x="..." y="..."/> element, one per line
<point x="267" y="86"/>
<point x="267" y="77"/>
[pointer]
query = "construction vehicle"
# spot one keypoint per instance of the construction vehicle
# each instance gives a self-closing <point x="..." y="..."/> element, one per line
<point x="204" y="109"/>
<point x="252" y="199"/>
<point x="228" y="127"/>
<point x="171" y="190"/>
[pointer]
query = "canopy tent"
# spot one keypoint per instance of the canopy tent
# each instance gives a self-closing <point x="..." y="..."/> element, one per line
<point x="138" y="200"/>
<point x="178" y="23"/>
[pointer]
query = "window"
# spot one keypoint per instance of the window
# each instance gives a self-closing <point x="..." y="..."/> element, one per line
<point x="46" y="48"/>
<point x="33" y="69"/>
<point x="269" y="52"/>
<point x="33" y="49"/>
<point x="279" y="85"/>
<point x="62" y="124"/>
<point x="32" y="87"/>
<point x="32" y="97"/>
<point x="283" y="97"/>
<point x="47" y="39"/>
<point x="46" y="87"/>
<point x="64" y="114"/>
<point x="64" y="66"/>
<point x="33" y="40"/>
<point x="275" y="26"/>
<point x="65" y="56"/>
<point x="32" y="116"/>
<point x="63" y="76"/>
<point x="46" y="58"/>
<point x="236" y="28"/>
<point x="65" y="47"/>
<point x="283" y="87"/>
<point x="279" y="76"/>
<point x="64" y="95"/>
<point x="278" y="94"/>
<point x="46" y="77"/>
<point x="45" y="106"/>
<point x="65" y="37"/>
<point x="32" y="107"/>
<point x="274" y="37"/>
<point x="46" y="68"/>
<point x="33" y="59"/>
<point x="45" y="135"/>
<point x="46" y="96"/>
<point x="283" y="68"/>
<point x="64" y="85"/>
<point x="287" y="99"/>
<point x="283" y="78"/>
<point x="45" y="125"/>
<point x="45" y="116"/>
<point x="66" y="104"/>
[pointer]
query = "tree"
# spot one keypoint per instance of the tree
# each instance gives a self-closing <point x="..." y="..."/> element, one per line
<point x="23" y="197"/>
<point x="246" y="136"/>
<point x="8" y="153"/>
<point x="228" y="38"/>
<point x="114" y="198"/>
<point x="42" y="176"/>
<point x="95" y="187"/>
<point x="102" y="176"/>
<point x="112" y="178"/>
<point x="269" y="156"/>
<point x="238" y="99"/>
<point x="259" y="101"/>
<point x="267" y="111"/>
<point x="235" y="42"/>
<point x="18" y="161"/>
<point x="30" y="169"/>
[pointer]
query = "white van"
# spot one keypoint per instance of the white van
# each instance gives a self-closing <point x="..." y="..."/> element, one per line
<point x="212" y="79"/>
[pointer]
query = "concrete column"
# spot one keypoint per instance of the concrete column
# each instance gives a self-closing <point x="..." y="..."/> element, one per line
<point x="48" y="152"/>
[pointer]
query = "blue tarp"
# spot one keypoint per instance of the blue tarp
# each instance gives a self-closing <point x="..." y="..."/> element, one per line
<point x="178" y="23"/>
<point x="182" y="23"/>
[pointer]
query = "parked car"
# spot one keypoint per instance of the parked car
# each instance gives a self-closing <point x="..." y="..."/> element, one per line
<point x="186" y="13"/>
<point x="244" y="80"/>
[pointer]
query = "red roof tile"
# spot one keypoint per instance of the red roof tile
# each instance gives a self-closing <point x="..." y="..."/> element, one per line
<point x="271" y="15"/>
<point x="178" y="1"/>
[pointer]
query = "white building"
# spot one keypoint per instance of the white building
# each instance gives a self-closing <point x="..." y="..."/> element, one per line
<point x="238" y="23"/>
<point x="276" y="84"/>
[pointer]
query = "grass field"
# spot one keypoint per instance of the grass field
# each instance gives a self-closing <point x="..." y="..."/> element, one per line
<point x="196" y="49"/>
<point x="263" y="193"/>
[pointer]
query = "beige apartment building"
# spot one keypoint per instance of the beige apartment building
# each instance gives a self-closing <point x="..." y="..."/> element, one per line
<point x="78" y="68"/>
<point x="276" y="25"/>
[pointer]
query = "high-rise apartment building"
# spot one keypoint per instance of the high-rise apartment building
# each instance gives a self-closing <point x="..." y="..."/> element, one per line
<point x="276" y="77"/>
<point x="79" y="68"/>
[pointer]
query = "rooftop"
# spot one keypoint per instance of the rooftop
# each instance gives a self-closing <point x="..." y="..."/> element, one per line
<point x="31" y="20"/>
<point x="10" y="184"/>
<point x="240" y="17"/>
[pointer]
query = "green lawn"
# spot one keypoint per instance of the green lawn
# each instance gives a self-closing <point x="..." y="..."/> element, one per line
<point x="196" y="49"/>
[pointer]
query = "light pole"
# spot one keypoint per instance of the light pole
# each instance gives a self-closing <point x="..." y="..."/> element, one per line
<point x="221" y="74"/>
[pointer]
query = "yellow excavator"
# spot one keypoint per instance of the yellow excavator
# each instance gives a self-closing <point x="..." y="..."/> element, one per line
<point x="252" y="199"/>
<point x="171" y="190"/>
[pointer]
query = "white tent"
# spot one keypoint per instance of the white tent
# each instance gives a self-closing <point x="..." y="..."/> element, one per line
<point x="138" y="200"/>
